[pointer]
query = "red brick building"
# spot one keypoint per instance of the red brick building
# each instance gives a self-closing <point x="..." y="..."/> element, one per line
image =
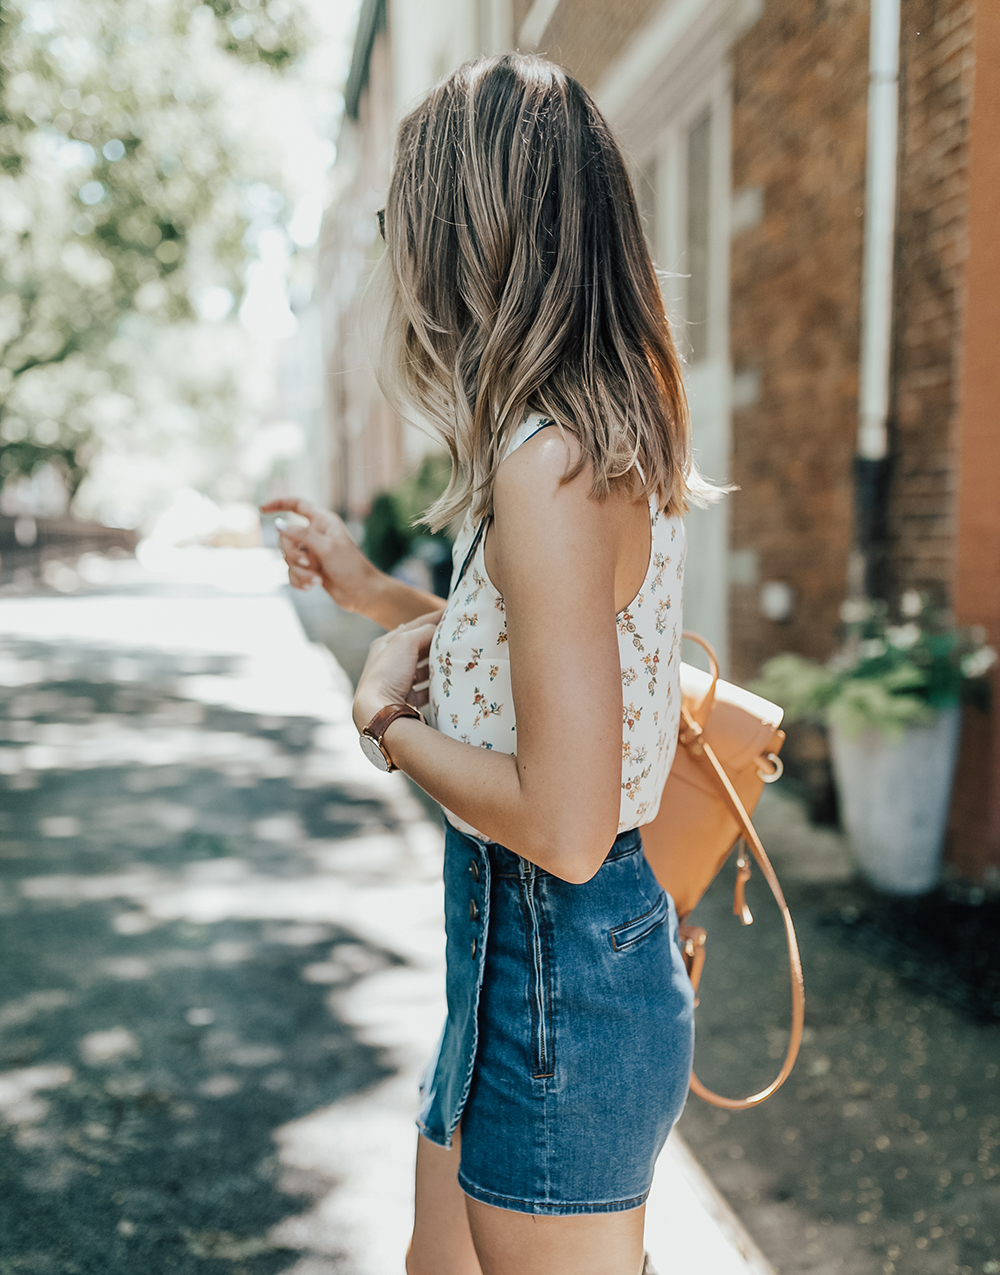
<point x="747" y="120"/>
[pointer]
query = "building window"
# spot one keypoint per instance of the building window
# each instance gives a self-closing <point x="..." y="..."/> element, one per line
<point x="698" y="179"/>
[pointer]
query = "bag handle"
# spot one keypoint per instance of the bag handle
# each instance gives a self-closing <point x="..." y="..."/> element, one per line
<point x="692" y="738"/>
<point x="700" y="714"/>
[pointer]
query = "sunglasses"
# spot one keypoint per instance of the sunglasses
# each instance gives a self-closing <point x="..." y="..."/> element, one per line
<point x="380" y="218"/>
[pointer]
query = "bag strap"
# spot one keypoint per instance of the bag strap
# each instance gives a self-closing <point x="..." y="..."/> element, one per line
<point x="692" y="737"/>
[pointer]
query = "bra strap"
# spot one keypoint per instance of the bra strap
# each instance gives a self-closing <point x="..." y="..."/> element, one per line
<point x="472" y="549"/>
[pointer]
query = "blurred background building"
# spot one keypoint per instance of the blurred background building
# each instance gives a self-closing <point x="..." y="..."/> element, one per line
<point x="748" y="127"/>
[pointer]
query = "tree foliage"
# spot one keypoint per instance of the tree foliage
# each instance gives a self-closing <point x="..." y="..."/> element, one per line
<point x="126" y="188"/>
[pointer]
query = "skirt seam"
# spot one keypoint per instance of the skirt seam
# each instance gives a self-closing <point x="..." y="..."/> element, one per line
<point x="548" y="1205"/>
<point x="483" y="938"/>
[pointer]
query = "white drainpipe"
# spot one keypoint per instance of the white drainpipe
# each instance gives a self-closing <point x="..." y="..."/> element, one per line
<point x="880" y="230"/>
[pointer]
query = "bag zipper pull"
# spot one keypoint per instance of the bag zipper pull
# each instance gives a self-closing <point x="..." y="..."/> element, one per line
<point x="740" y="907"/>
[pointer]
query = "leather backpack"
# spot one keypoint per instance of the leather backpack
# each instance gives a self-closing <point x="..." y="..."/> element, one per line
<point x="727" y="751"/>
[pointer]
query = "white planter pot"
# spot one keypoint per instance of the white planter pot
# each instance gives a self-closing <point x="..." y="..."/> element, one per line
<point x="894" y="800"/>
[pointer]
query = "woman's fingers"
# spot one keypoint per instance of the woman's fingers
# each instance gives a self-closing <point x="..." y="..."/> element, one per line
<point x="397" y="668"/>
<point x="301" y="578"/>
<point x="417" y="640"/>
<point x="296" y="554"/>
<point x="292" y="546"/>
<point x="420" y="640"/>
<point x="292" y="505"/>
<point x="430" y="619"/>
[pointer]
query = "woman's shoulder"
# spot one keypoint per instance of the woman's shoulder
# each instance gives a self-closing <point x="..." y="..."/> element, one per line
<point x="536" y="465"/>
<point x="546" y="519"/>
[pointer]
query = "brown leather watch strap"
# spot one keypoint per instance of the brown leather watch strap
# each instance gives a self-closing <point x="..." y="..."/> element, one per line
<point x="383" y="719"/>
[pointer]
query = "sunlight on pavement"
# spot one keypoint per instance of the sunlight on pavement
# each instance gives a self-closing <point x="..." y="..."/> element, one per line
<point x="227" y="686"/>
<point x="18" y="1088"/>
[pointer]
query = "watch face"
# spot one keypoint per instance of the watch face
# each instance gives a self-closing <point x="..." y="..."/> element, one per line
<point x="372" y="751"/>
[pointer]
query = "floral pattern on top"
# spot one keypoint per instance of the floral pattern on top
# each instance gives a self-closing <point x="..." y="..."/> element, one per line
<point x="479" y="582"/>
<point x="470" y="692"/>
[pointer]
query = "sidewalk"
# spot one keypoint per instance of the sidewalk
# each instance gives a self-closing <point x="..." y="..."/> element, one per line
<point x="222" y="949"/>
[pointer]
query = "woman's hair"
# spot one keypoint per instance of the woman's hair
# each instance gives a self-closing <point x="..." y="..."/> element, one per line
<point x="517" y="279"/>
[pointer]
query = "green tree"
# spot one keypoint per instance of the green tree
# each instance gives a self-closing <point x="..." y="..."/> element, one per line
<point x="127" y="186"/>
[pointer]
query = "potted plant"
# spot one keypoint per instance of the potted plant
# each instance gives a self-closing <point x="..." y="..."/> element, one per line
<point x="891" y="699"/>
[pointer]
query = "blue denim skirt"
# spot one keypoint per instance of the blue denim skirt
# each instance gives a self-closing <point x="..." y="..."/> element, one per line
<point x="567" y="1049"/>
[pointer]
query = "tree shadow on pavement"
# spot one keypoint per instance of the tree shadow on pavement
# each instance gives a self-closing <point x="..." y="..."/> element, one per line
<point x="148" y="1054"/>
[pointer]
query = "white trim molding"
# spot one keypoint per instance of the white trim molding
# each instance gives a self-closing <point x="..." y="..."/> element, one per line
<point x="667" y="60"/>
<point x="675" y="70"/>
<point x="536" y="23"/>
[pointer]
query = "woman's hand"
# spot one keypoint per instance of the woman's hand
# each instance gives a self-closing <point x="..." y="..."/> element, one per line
<point x="324" y="550"/>
<point x="396" y="669"/>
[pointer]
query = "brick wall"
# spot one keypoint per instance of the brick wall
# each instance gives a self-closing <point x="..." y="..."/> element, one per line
<point x="799" y="111"/>
<point x="935" y="108"/>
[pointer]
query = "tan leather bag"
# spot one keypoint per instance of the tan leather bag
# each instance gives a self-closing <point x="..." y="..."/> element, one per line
<point x="727" y="751"/>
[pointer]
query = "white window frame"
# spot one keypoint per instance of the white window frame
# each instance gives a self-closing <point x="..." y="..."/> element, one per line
<point x="709" y="380"/>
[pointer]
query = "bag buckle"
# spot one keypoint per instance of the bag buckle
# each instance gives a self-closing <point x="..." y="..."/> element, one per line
<point x="690" y="736"/>
<point x="692" y="939"/>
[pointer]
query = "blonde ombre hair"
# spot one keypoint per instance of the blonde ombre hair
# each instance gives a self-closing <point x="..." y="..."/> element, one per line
<point x="516" y="279"/>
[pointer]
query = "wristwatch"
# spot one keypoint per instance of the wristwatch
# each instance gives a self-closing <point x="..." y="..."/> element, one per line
<point x="371" y="736"/>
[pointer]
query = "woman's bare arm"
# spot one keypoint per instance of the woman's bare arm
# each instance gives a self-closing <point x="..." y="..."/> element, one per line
<point x="554" y="552"/>
<point x="323" y="550"/>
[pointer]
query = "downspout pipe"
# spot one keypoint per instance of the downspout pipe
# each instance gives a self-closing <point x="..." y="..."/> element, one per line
<point x="872" y="461"/>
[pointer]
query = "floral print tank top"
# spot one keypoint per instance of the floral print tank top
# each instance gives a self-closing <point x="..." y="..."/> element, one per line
<point x="470" y="694"/>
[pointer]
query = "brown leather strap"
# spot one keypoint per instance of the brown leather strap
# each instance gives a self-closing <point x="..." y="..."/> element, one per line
<point x="692" y="738"/>
<point x="701" y="713"/>
<point x="383" y="719"/>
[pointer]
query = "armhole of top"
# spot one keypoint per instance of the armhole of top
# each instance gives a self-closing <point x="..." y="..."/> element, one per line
<point x="484" y="527"/>
<point x="479" y="539"/>
<point x="544" y="423"/>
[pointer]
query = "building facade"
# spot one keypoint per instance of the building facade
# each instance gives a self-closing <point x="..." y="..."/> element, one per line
<point x="402" y="48"/>
<point x="747" y="124"/>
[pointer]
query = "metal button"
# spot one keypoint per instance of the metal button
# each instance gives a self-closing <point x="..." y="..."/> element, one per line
<point x="473" y="910"/>
<point x="475" y="948"/>
<point x="474" y="869"/>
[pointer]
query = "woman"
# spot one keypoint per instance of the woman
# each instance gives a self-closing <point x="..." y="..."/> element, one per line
<point x="523" y="318"/>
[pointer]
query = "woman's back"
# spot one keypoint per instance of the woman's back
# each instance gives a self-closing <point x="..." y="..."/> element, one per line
<point x="470" y="693"/>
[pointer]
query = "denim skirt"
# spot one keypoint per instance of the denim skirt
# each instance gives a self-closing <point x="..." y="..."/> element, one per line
<point x="567" y="1049"/>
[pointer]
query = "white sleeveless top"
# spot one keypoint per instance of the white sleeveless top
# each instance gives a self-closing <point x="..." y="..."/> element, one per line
<point x="470" y="695"/>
